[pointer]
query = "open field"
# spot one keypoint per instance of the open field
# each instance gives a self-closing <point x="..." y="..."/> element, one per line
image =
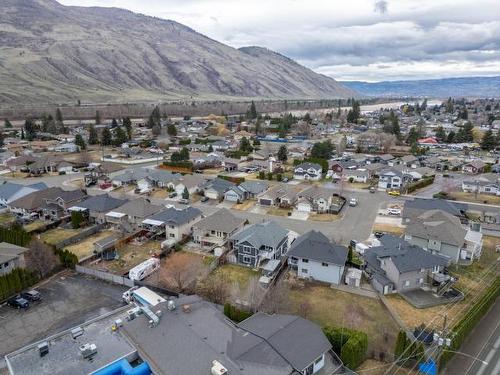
<point x="85" y="248"/>
<point x="54" y="236"/>
<point x="327" y="306"/>
<point x="130" y="255"/>
<point x="472" y="281"/>
<point x="475" y="198"/>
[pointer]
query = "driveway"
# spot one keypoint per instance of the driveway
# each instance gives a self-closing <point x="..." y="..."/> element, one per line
<point x="299" y="215"/>
<point x="68" y="299"/>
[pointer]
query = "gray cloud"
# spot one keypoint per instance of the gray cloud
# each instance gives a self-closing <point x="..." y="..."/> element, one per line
<point x="381" y="6"/>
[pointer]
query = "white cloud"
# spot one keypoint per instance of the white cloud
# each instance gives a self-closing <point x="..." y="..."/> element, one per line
<point x="349" y="40"/>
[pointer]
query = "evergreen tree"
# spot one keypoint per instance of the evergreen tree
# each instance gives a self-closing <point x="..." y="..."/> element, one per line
<point x="80" y="142"/>
<point x="22" y="134"/>
<point x="440" y="134"/>
<point x="252" y="112"/>
<point x="307" y="117"/>
<point x="114" y="123"/>
<point x="93" y="136"/>
<point x="156" y="130"/>
<point x="7" y="124"/>
<point x="184" y="154"/>
<point x="210" y="148"/>
<point x="401" y="344"/>
<point x="245" y="145"/>
<point x="413" y="136"/>
<point x="1" y="139"/>
<point x="120" y="136"/>
<point x="488" y="142"/>
<point x="171" y="130"/>
<point x="451" y="137"/>
<point x="449" y="106"/>
<point x="283" y="154"/>
<point x="106" y="137"/>
<point x="97" y="118"/>
<point x="185" y="193"/>
<point x="322" y="150"/>
<point x="30" y="128"/>
<point x="469" y="136"/>
<point x="127" y="123"/>
<point x="60" y="128"/>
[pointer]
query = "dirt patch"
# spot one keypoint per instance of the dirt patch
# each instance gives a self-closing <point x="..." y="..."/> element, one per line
<point x="244" y="206"/>
<point x="373" y="367"/>
<point x="130" y="255"/>
<point x="324" y="217"/>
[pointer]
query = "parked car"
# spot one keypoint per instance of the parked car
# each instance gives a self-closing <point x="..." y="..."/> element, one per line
<point x="18" y="302"/>
<point x="372" y="189"/>
<point x="184" y="201"/>
<point x="394" y="211"/>
<point x="204" y="199"/>
<point x="353" y="202"/>
<point x="285" y="179"/>
<point x="31" y="295"/>
<point x="379" y="234"/>
<point x="172" y="194"/>
<point x="394" y="193"/>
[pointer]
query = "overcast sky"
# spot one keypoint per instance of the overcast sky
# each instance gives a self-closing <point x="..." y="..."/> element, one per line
<point x="369" y="40"/>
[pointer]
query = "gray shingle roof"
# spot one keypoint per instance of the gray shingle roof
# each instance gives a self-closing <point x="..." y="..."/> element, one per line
<point x="438" y="225"/>
<point x="139" y="208"/>
<point x="101" y="203"/>
<point x="297" y="340"/>
<point x="179" y="217"/>
<point x="254" y="187"/>
<point x="222" y="220"/>
<point x="315" y="246"/>
<point x="418" y="206"/>
<point x="262" y="234"/>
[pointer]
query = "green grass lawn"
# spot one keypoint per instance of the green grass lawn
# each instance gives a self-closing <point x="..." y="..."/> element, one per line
<point x="327" y="306"/>
<point x="54" y="236"/>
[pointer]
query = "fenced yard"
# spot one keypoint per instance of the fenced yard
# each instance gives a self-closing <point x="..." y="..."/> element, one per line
<point x="57" y="235"/>
<point x="85" y="248"/>
<point x="130" y="255"/>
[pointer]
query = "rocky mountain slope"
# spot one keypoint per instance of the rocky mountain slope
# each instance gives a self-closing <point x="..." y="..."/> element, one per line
<point x="54" y="53"/>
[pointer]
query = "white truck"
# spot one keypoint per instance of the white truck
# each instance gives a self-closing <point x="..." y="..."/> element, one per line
<point x="143" y="270"/>
<point x="142" y="295"/>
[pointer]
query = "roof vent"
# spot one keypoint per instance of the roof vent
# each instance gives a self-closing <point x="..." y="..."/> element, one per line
<point x="171" y="305"/>
<point x="43" y="349"/>
<point x="88" y="350"/>
<point x="76" y="332"/>
<point x="218" y="369"/>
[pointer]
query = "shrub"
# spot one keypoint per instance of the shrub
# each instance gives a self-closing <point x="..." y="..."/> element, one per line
<point x="67" y="258"/>
<point x="15" y="234"/>
<point x="351" y="345"/>
<point x="15" y="281"/>
<point x="77" y="219"/>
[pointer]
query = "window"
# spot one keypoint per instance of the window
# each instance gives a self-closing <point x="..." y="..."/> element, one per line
<point x="247" y="250"/>
<point x="305" y="260"/>
<point x="247" y="260"/>
<point x="171" y="226"/>
<point x="318" y="360"/>
<point x="422" y="270"/>
<point x="324" y="264"/>
<point x="172" y="235"/>
<point x="406" y="283"/>
<point x="420" y="281"/>
<point x="304" y="270"/>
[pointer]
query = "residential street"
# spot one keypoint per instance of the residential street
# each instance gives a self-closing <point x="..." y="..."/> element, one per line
<point x="484" y="343"/>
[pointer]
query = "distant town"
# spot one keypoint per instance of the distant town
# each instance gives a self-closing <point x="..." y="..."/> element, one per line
<point x="361" y="238"/>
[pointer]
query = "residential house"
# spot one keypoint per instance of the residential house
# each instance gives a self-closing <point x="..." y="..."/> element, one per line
<point x="315" y="199"/>
<point x="258" y="243"/>
<point x="336" y="168"/>
<point x="356" y="175"/>
<point x="11" y="257"/>
<point x="133" y="212"/>
<point x="177" y="224"/>
<point x="387" y="159"/>
<point x="315" y="257"/>
<point x="247" y="189"/>
<point x="96" y="207"/>
<point x="235" y="194"/>
<point x="281" y="195"/>
<point x="188" y="181"/>
<point x="409" y="161"/>
<point x="215" y="230"/>
<point x="10" y="191"/>
<point x="216" y="188"/>
<point x="307" y="171"/>
<point x="57" y="204"/>
<point x="412" y="209"/>
<point x="67" y="147"/>
<point x="442" y="233"/>
<point x="399" y="266"/>
<point x="391" y="178"/>
<point x="130" y="177"/>
<point x="420" y="173"/>
<point x="488" y="183"/>
<point x="162" y="178"/>
<point x="474" y="167"/>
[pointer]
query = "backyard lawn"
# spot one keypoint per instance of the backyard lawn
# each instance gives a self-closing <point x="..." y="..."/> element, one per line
<point x="243" y="283"/>
<point x="238" y="275"/>
<point x="327" y="306"/>
<point x="37" y="224"/>
<point x="85" y="248"/>
<point x="130" y="255"/>
<point x="54" y="236"/>
<point x="7" y="218"/>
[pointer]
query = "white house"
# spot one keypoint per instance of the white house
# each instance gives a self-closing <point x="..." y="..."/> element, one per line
<point x="308" y="171"/>
<point x="315" y="257"/>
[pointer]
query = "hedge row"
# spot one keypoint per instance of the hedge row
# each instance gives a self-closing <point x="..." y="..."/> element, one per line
<point x="470" y="319"/>
<point x="235" y="314"/>
<point x="350" y="344"/>
<point x="67" y="258"/>
<point x="420" y="184"/>
<point x="15" y="234"/>
<point x="179" y="164"/>
<point x="16" y="281"/>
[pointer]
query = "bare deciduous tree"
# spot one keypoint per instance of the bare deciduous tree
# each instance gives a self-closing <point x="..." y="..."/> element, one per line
<point x="41" y="258"/>
<point x="180" y="272"/>
<point x="215" y="288"/>
<point x="277" y="299"/>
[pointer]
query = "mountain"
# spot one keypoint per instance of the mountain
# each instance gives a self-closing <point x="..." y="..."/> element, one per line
<point x="436" y="88"/>
<point x="55" y="53"/>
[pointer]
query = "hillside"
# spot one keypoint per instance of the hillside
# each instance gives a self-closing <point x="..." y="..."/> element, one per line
<point x="54" y="53"/>
<point x="482" y="87"/>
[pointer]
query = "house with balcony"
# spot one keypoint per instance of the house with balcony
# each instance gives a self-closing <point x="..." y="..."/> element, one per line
<point x="215" y="230"/>
<point x="395" y="265"/>
<point x="175" y="224"/>
<point x="256" y="244"/>
<point x="441" y="233"/>
<point x="392" y="178"/>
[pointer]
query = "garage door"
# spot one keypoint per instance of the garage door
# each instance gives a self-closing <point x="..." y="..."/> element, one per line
<point x="304" y="207"/>
<point x="265" y="202"/>
<point x="211" y="194"/>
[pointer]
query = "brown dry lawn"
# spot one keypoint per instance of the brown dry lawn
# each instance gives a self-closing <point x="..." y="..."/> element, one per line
<point x="130" y="255"/>
<point x="37" y="224"/>
<point x="472" y="281"/>
<point x="85" y="248"/>
<point x="324" y="217"/>
<point x="373" y="367"/>
<point x="276" y="211"/>
<point x="54" y="236"/>
<point x="245" y="206"/>
<point x="388" y="228"/>
<point x="329" y="306"/>
<point x="471" y="197"/>
<point x="7" y="218"/>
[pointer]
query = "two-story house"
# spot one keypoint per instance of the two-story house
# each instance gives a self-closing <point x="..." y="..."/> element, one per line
<point x="474" y="167"/>
<point x="313" y="256"/>
<point x="175" y="223"/>
<point x="308" y="171"/>
<point x="391" y="179"/>
<point x="488" y="183"/>
<point x="215" y="230"/>
<point x="258" y="243"/>
<point x="396" y="265"/>
<point x="315" y="199"/>
<point x="11" y="257"/>
<point x="441" y="233"/>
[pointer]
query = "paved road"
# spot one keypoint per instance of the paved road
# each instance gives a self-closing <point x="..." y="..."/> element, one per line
<point x="484" y="343"/>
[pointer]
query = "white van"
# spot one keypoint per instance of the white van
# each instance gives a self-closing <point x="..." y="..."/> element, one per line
<point x="143" y="270"/>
